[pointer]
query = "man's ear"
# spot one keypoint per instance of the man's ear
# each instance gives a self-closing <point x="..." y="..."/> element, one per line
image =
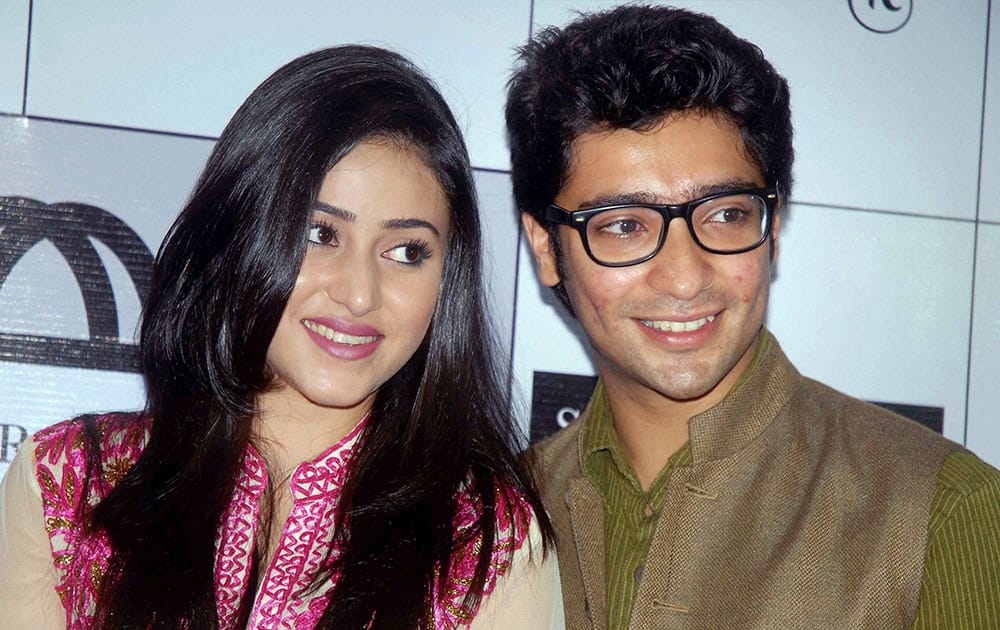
<point x="543" y="249"/>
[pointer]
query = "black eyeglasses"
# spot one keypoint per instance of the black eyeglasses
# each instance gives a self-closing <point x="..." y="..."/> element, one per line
<point x="730" y="222"/>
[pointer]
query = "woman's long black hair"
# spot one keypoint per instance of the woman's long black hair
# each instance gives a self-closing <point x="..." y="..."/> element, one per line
<point x="221" y="281"/>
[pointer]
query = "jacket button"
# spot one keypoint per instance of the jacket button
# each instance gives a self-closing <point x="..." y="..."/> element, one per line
<point x="638" y="572"/>
<point x="586" y="609"/>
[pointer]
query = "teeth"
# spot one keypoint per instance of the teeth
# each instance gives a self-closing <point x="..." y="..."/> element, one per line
<point x="337" y="337"/>
<point x="669" y="326"/>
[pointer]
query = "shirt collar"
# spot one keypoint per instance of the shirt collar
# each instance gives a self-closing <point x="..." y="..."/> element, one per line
<point x="601" y="442"/>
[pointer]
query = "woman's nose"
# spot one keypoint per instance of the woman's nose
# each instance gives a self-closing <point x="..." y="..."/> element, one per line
<point x="356" y="286"/>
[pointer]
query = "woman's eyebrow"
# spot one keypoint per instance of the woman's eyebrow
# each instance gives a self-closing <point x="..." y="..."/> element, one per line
<point x="405" y="224"/>
<point x="388" y="224"/>
<point x="340" y="213"/>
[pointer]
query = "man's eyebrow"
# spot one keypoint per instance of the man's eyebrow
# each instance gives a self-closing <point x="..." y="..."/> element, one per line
<point x="645" y="197"/>
<point x="406" y="224"/>
<point x="340" y="213"/>
<point x="726" y="186"/>
<point x="637" y="198"/>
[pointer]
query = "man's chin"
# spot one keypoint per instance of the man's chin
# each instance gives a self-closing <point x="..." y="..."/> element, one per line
<point x="687" y="393"/>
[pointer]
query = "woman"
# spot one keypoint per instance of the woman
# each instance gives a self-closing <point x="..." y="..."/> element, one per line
<point x="326" y="441"/>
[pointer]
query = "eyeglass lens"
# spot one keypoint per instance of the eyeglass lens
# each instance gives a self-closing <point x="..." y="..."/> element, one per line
<point x="723" y="224"/>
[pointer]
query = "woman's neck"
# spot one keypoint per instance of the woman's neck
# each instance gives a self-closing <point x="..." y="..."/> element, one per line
<point x="290" y="429"/>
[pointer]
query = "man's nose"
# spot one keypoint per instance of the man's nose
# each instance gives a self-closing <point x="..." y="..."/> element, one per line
<point x="681" y="268"/>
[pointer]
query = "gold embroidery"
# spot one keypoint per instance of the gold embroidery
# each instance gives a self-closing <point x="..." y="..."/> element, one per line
<point x="77" y="440"/>
<point x="96" y="576"/>
<point x="115" y="470"/>
<point x="69" y="488"/>
<point x="54" y="523"/>
<point x="46" y="481"/>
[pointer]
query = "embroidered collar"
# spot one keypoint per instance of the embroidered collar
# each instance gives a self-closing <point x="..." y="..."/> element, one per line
<point x="319" y="478"/>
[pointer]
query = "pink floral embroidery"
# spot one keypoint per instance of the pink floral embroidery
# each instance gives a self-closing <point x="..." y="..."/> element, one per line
<point x="80" y="557"/>
<point x="81" y="560"/>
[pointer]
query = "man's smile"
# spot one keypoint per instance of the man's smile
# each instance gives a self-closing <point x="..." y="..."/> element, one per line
<point x="671" y="326"/>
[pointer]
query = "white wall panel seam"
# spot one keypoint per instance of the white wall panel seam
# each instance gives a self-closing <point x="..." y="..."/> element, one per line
<point x="27" y="60"/>
<point x="897" y="213"/>
<point x="110" y="127"/>
<point x="975" y="236"/>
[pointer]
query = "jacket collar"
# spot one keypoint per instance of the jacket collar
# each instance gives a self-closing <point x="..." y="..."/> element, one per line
<point x="747" y="409"/>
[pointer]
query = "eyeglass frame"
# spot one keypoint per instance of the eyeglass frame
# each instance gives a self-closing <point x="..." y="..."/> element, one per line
<point x="579" y="219"/>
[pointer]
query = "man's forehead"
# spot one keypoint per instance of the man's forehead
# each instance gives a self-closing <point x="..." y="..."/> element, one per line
<point x="681" y="157"/>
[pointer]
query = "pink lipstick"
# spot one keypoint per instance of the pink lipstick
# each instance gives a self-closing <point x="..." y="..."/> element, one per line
<point x="342" y="339"/>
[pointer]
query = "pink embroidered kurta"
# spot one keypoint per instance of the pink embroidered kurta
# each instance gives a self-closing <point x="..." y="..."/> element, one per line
<point x="81" y="559"/>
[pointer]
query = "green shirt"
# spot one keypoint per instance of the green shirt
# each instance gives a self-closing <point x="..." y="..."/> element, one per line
<point x="960" y="587"/>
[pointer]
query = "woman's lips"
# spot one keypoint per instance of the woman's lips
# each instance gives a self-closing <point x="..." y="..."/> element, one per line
<point x="344" y="340"/>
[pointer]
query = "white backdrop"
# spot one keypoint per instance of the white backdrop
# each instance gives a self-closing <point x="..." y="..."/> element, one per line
<point x="890" y="262"/>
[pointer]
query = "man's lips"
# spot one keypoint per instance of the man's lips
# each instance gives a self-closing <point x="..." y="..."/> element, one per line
<point x="678" y="326"/>
<point x="339" y="331"/>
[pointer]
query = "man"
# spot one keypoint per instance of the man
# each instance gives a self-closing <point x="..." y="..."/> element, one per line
<point x="708" y="484"/>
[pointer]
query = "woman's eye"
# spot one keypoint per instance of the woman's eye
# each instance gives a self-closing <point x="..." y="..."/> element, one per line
<point x="322" y="235"/>
<point x="409" y="253"/>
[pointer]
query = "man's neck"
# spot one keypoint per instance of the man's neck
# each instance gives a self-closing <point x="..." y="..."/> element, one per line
<point x="650" y="426"/>
<point x="649" y="433"/>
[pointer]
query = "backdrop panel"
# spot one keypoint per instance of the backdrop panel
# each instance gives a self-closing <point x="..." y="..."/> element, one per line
<point x="984" y="376"/>
<point x="186" y="65"/>
<point x="13" y="44"/>
<point x="500" y="247"/>
<point x="882" y="121"/>
<point x="82" y="210"/>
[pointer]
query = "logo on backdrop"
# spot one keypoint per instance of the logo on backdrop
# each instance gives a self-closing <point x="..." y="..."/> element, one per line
<point x="11" y="438"/>
<point x="70" y="227"/>
<point x="557" y="399"/>
<point x="881" y="16"/>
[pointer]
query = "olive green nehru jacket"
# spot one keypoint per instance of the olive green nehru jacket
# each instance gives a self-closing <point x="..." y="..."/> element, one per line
<point x="791" y="506"/>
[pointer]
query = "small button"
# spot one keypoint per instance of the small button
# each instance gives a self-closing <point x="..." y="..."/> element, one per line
<point x="648" y="510"/>
<point x="638" y="572"/>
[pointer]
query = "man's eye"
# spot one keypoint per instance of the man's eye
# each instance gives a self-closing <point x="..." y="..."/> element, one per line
<point x="322" y="234"/>
<point x="622" y="227"/>
<point x="728" y="215"/>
